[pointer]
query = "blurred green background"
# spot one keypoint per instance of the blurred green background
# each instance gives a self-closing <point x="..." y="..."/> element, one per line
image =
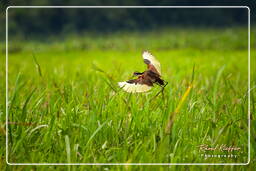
<point x="40" y="22"/>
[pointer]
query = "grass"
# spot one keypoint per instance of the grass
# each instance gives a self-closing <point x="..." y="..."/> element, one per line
<point x="65" y="105"/>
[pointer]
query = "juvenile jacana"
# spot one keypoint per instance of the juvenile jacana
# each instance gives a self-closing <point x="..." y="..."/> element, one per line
<point x="146" y="79"/>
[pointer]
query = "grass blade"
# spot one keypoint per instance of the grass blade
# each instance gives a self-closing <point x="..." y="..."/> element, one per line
<point x="216" y="84"/>
<point x="176" y="111"/>
<point x="95" y="132"/>
<point x="16" y="88"/>
<point x="37" y="66"/>
<point x="215" y="89"/>
<point x="173" y="115"/>
<point x="68" y="150"/>
<point x="24" y="109"/>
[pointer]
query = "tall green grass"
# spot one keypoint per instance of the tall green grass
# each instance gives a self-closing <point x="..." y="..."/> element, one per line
<point x="65" y="105"/>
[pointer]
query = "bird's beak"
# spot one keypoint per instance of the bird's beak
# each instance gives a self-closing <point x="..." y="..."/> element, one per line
<point x="136" y="74"/>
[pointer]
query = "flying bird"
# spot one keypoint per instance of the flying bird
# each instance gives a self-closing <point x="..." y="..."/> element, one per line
<point x="146" y="79"/>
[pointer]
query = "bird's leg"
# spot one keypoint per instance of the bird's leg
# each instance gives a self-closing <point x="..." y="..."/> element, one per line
<point x="163" y="88"/>
<point x="164" y="85"/>
<point x="161" y="91"/>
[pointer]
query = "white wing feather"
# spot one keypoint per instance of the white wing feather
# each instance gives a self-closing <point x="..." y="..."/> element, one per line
<point x="153" y="61"/>
<point x="134" y="88"/>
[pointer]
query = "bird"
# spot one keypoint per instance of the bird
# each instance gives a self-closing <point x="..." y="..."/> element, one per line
<point x="145" y="80"/>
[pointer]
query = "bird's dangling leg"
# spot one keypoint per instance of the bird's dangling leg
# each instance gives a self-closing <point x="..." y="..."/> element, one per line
<point x="162" y="90"/>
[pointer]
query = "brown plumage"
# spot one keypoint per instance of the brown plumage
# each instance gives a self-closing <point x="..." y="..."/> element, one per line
<point x="147" y="78"/>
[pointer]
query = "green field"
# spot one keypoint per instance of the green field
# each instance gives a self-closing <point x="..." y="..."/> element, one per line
<point x="65" y="105"/>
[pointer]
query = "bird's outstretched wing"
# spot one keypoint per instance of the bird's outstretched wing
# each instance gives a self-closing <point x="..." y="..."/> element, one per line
<point x="150" y="60"/>
<point x="134" y="87"/>
<point x="145" y="81"/>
